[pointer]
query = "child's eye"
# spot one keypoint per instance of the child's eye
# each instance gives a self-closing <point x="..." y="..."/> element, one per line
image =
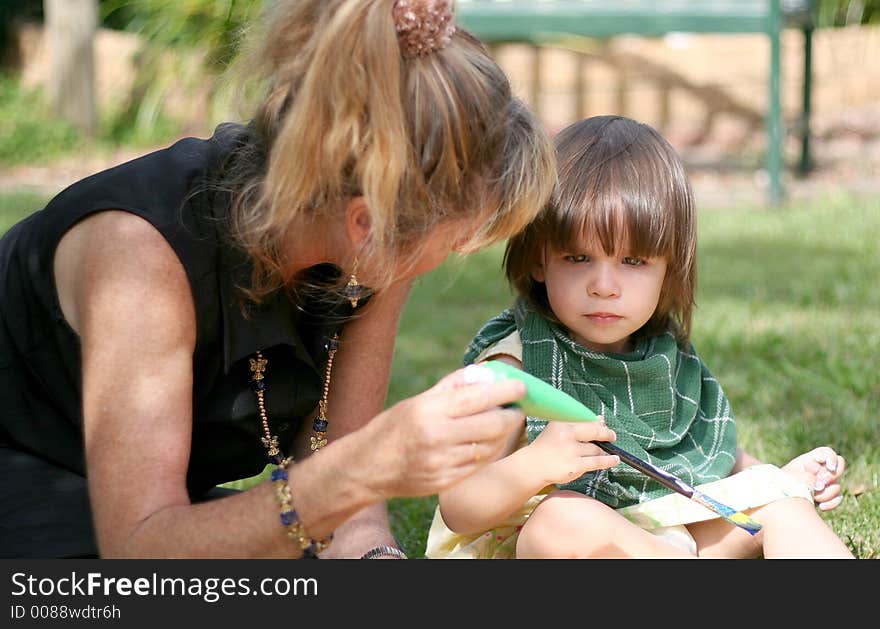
<point x="630" y="261"/>
<point x="578" y="258"/>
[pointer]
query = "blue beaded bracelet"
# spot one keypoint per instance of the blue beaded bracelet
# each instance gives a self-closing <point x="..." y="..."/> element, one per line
<point x="290" y="519"/>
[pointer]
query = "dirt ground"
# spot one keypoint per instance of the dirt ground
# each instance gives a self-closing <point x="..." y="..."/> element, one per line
<point x="845" y="155"/>
<point x="847" y="159"/>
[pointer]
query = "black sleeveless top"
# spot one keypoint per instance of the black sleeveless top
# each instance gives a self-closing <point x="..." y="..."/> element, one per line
<point x="40" y="377"/>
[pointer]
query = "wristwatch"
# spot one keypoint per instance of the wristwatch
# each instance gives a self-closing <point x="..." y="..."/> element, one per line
<point x="384" y="551"/>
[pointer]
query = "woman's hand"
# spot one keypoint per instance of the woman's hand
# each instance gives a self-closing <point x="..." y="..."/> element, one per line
<point x="563" y="452"/>
<point x="821" y="469"/>
<point x="430" y="441"/>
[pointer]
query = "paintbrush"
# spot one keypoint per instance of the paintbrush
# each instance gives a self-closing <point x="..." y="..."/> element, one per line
<point x="677" y="485"/>
<point x="547" y="402"/>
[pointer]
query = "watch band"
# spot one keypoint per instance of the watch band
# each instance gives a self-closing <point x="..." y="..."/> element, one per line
<point x="384" y="551"/>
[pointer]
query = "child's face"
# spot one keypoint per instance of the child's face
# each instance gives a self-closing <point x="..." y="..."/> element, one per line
<point x="601" y="299"/>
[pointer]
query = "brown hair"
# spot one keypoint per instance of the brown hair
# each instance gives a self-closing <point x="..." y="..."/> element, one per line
<point x="425" y="139"/>
<point x="618" y="179"/>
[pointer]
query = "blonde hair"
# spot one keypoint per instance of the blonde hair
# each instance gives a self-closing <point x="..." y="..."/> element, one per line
<point x="424" y="139"/>
<point x="619" y="181"/>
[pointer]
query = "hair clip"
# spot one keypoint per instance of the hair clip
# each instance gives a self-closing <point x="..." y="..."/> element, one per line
<point x="423" y="26"/>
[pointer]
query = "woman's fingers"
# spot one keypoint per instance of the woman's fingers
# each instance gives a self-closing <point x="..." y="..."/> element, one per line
<point x="495" y="423"/>
<point x="476" y="398"/>
<point x="478" y="453"/>
<point x="473" y="412"/>
<point x="473" y="389"/>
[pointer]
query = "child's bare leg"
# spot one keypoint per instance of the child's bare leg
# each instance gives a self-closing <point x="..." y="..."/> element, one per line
<point x="792" y="528"/>
<point x="569" y="525"/>
<point x="719" y="539"/>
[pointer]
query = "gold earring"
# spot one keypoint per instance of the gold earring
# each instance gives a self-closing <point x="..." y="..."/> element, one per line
<point x="352" y="289"/>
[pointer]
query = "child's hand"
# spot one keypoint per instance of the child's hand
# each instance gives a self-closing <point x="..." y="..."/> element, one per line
<point x="562" y="452"/>
<point x="821" y="469"/>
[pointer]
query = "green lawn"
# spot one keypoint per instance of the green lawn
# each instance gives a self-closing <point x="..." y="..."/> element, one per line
<point x="16" y="206"/>
<point x="788" y="319"/>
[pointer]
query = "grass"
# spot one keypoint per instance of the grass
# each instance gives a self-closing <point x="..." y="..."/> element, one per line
<point x="15" y="206"/>
<point x="788" y="319"/>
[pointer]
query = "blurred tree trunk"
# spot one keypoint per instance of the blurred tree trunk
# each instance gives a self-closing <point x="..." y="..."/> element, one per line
<point x="70" y="32"/>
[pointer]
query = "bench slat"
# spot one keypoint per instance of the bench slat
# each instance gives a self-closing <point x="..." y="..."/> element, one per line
<point x="535" y="20"/>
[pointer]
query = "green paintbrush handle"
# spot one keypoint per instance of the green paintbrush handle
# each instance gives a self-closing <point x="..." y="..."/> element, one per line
<point x="541" y="399"/>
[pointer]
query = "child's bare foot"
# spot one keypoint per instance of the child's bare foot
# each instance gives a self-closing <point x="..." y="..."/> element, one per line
<point x="821" y="469"/>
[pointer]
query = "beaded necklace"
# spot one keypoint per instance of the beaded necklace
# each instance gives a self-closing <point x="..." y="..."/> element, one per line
<point x="289" y="517"/>
<point x="318" y="438"/>
<point x="353" y="293"/>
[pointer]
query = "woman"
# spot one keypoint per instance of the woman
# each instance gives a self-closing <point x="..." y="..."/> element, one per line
<point x="170" y="323"/>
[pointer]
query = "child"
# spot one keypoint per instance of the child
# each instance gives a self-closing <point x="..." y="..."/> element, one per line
<point x="606" y="279"/>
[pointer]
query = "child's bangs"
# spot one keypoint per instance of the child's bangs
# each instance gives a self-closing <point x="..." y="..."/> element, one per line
<point x="621" y="207"/>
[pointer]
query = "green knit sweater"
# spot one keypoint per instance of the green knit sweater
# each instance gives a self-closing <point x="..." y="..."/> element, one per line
<point x="661" y="400"/>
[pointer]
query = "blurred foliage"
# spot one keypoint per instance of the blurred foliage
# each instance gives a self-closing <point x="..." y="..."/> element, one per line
<point x="31" y="133"/>
<point x="209" y="25"/>
<point x="831" y="13"/>
<point x="187" y="46"/>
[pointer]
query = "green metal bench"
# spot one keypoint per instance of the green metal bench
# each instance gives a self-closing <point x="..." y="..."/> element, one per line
<point x="545" y="22"/>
